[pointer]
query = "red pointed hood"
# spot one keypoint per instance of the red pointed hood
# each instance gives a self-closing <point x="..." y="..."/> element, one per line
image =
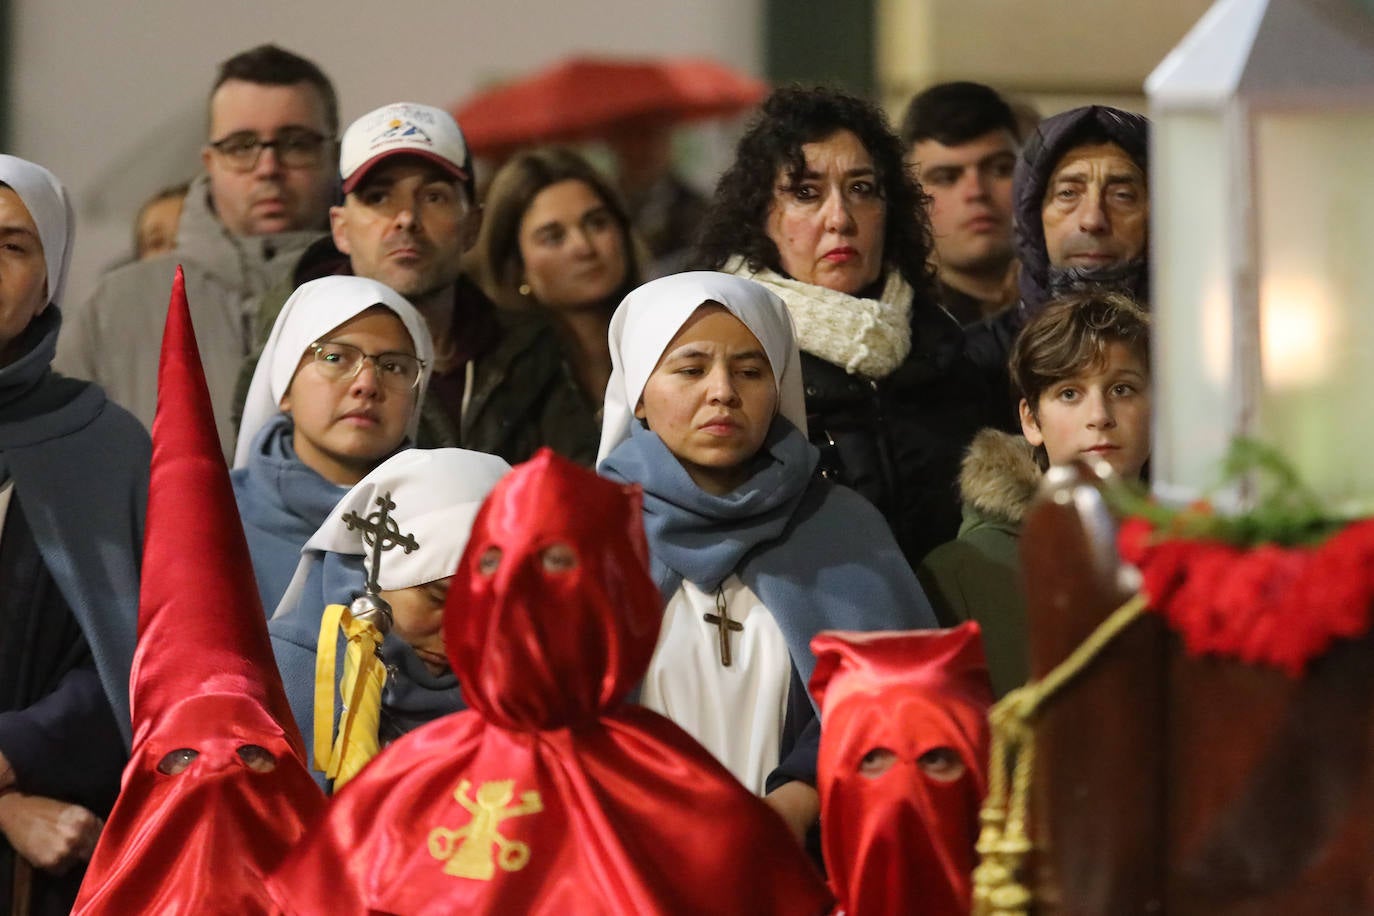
<point x="216" y="790"/>
<point x="187" y="643"/>
<point x="520" y="666"/>
<point x="902" y="766"/>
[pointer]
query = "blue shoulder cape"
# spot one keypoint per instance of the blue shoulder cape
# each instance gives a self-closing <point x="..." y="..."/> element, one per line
<point x="80" y="469"/>
<point x="819" y="556"/>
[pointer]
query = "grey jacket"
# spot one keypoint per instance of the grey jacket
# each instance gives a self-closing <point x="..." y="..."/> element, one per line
<point x="115" y="337"/>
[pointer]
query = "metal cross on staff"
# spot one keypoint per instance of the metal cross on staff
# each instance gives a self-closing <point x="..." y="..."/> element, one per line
<point x="380" y="532"/>
<point x="724" y="626"/>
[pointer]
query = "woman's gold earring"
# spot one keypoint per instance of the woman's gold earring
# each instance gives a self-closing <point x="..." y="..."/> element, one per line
<point x="524" y="289"/>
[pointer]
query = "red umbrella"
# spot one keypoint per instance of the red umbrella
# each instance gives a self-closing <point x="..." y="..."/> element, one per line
<point x="586" y="97"/>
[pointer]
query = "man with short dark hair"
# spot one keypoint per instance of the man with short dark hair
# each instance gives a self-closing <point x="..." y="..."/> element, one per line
<point x="264" y="197"/>
<point x="962" y="140"/>
<point x="409" y="213"/>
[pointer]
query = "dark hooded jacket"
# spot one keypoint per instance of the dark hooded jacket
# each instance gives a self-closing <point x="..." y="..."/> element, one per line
<point x="1043" y="149"/>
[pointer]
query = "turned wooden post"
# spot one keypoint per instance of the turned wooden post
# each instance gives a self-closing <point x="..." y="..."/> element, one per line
<point x="1098" y="795"/>
<point x="1179" y="785"/>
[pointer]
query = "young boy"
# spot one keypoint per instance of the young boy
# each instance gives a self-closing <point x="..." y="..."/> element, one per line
<point x="1082" y="368"/>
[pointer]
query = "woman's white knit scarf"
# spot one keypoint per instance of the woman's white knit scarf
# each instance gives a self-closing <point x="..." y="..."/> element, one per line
<point x="868" y="337"/>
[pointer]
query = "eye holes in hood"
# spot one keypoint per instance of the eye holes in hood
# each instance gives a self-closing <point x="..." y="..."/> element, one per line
<point x="256" y="758"/>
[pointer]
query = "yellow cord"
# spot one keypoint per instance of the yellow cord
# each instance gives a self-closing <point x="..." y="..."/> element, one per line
<point x="341" y="757"/>
<point x="999" y="888"/>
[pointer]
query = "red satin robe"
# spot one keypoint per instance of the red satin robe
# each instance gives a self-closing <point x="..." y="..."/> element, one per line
<point x="550" y="795"/>
<point x="198" y="838"/>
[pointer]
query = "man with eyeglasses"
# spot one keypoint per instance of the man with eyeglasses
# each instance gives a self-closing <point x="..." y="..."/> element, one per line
<point x="409" y="213"/>
<point x="263" y="198"/>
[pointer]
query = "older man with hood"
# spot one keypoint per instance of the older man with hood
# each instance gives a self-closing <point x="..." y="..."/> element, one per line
<point x="1082" y="214"/>
<point x="73" y="489"/>
<point x="1082" y="206"/>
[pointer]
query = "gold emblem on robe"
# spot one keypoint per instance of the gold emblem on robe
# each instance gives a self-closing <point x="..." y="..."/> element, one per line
<point x="475" y="849"/>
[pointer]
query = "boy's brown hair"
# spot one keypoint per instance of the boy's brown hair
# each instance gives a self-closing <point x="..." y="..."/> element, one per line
<point x="1071" y="336"/>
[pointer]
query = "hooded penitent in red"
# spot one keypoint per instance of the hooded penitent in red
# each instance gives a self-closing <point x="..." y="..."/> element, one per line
<point x="550" y="795"/>
<point x="899" y="838"/>
<point x="217" y="789"/>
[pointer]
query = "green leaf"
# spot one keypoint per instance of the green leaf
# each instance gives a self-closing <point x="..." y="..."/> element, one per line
<point x="1285" y="510"/>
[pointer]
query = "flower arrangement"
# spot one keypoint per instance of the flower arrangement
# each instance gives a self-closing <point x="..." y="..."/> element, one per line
<point x="1274" y="586"/>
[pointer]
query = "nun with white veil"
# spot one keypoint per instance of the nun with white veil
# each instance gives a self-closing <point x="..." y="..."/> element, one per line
<point x="339" y="388"/>
<point x="431" y="498"/>
<point x="73" y="492"/>
<point x="752" y="552"/>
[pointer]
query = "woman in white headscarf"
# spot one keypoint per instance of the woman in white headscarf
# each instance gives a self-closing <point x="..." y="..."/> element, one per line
<point x="433" y="496"/>
<point x="338" y="389"/>
<point x="752" y="552"/>
<point x="73" y="490"/>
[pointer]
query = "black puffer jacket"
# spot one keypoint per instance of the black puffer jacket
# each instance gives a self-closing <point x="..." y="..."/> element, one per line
<point x="899" y="440"/>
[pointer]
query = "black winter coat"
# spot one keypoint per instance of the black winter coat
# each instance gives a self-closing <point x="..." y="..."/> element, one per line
<point x="899" y="440"/>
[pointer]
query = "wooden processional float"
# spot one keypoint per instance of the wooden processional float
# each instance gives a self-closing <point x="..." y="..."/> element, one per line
<point x="1209" y="748"/>
<point x="1162" y="780"/>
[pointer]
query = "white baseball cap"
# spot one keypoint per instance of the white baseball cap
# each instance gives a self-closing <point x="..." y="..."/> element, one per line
<point x="403" y="127"/>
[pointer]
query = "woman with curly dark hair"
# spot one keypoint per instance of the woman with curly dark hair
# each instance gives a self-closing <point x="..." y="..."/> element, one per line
<point x="820" y="208"/>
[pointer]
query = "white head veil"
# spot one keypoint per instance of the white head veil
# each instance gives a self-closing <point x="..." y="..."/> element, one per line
<point x="313" y="310"/>
<point x="51" y="210"/>
<point x="650" y="317"/>
<point x="437" y="493"/>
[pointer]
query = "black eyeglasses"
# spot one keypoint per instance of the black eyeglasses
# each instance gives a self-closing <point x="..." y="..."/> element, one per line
<point x="338" y="361"/>
<point x="296" y="148"/>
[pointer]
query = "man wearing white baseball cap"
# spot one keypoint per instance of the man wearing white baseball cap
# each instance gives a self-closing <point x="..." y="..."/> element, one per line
<point x="409" y="213"/>
<point x="410" y="209"/>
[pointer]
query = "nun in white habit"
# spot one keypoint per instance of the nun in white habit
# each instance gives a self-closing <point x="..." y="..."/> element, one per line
<point x="73" y="491"/>
<point x="753" y="554"/>
<point x="339" y="387"/>
<point x="436" y="493"/>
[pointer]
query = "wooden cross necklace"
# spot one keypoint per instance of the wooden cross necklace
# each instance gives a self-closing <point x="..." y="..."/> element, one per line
<point x="724" y="625"/>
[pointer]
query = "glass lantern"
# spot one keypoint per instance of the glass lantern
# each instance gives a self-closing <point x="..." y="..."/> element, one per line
<point x="1262" y="247"/>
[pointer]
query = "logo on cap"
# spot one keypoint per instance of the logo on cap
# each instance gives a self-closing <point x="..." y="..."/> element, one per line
<point x="403" y="127"/>
<point x="406" y="131"/>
